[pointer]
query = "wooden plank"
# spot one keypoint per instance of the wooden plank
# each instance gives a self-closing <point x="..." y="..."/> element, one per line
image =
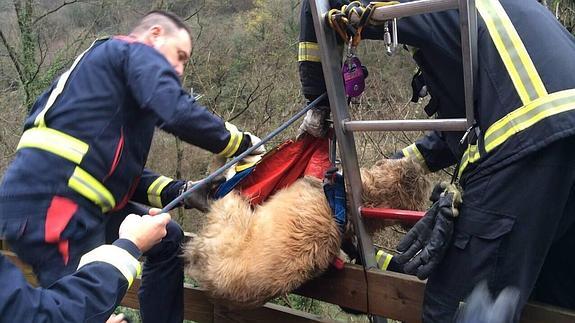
<point x="395" y="296"/>
<point x="399" y="296"/>
<point x="391" y="295"/>
<point x="197" y="306"/>
<point x="542" y="313"/>
<point x="346" y="288"/>
<point x="268" y="313"/>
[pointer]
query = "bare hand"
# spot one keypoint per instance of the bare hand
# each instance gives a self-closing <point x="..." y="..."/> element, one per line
<point x="120" y="318"/>
<point x="145" y="231"/>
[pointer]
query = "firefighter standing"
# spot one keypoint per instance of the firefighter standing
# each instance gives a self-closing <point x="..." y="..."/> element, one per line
<point x="84" y="147"/>
<point x="518" y="170"/>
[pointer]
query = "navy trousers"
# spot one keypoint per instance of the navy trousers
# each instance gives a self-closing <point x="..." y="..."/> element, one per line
<point x="516" y="228"/>
<point x="161" y="292"/>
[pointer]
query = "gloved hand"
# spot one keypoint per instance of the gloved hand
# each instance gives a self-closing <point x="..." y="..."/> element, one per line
<point x="254" y="157"/>
<point x="314" y="122"/>
<point x="424" y="246"/>
<point x="200" y="199"/>
<point x="254" y="140"/>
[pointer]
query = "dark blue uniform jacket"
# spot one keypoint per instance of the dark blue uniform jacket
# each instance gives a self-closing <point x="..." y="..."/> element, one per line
<point x="115" y="97"/>
<point x="89" y="295"/>
<point x="550" y="47"/>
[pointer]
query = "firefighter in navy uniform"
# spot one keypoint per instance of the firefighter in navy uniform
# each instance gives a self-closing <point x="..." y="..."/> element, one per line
<point x="81" y="156"/>
<point x="517" y="169"/>
<point x="91" y="293"/>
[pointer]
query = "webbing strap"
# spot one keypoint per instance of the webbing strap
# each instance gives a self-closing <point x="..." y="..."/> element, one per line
<point x="519" y="120"/>
<point x="72" y="149"/>
<point x="39" y="121"/>
<point x="128" y="266"/>
<point x="155" y="190"/>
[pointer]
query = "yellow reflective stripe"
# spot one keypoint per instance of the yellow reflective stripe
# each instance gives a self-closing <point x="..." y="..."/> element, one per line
<point x="236" y="137"/>
<point x="72" y="149"/>
<point x="54" y="141"/>
<point x="519" y="120"/>
<point x="90" y="188"/>
<point x="512" y="51"/>
<point x="39" y="121"/>
<point x="122" y="260"/>
<point x="470" y="155"/>
<point x="382" y="263"/>
<point x="526" y="116"/>
<point x="155" y="190"/>
<point x="308" y="51"/>
<point x="412" y="151"/>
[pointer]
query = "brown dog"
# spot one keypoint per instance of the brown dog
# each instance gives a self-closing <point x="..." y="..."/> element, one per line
<point x="246" y="257"/>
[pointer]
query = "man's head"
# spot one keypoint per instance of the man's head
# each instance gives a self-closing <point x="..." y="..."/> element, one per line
<point x="168" y="34"/>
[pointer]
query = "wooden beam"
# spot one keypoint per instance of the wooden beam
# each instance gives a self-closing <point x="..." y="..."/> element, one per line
<point x="398" y="296"/>
<point x="391" y="295"/>
<point x="346" y="288"/>
<point x="199" y="308"/>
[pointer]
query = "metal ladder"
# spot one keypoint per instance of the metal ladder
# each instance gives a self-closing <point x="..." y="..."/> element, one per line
<point x="331" y="58"/>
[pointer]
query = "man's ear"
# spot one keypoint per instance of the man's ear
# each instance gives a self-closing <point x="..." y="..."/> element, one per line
<point x="156" y="30"/>
<point x="154" y="33"/>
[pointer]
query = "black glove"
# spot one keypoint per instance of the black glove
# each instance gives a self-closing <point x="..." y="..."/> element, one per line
<point x="424" y="246"/>
<point x="200" y="199"/>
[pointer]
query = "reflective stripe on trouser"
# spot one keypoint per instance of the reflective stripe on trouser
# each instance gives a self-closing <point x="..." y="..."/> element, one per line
<point x="121" y="259"/>
<point x="155" y="190"/>
<point x="519" y="120"/>
<point x="72" y="149"/>
<point x="308" y="52"/>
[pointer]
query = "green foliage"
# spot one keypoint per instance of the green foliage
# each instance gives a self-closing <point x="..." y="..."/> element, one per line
<point x="299" y="303"/>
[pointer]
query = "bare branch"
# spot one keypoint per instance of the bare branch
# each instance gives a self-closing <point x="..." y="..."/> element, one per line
<point x="42" y="57"/>
<point x="197" y="11"/>
<point x="13" y="58"/>
<point x="49" y="12"/>
<point x="252" y="97"/>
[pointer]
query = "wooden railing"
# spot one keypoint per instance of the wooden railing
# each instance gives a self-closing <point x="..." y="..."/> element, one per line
<point x="391" y="295"/>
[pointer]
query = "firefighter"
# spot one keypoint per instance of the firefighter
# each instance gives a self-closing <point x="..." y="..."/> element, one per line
<point x="92" y="292"/>
<point x="517" y="166"/>
<point x="81" y="157"/>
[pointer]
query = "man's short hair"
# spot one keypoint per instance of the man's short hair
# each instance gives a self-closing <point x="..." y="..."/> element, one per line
<point x="168" y="20"/>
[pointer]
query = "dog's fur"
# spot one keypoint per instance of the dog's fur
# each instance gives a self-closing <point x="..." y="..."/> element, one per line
<point x="246" y="257"/>
<point x="395" y="184"/>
